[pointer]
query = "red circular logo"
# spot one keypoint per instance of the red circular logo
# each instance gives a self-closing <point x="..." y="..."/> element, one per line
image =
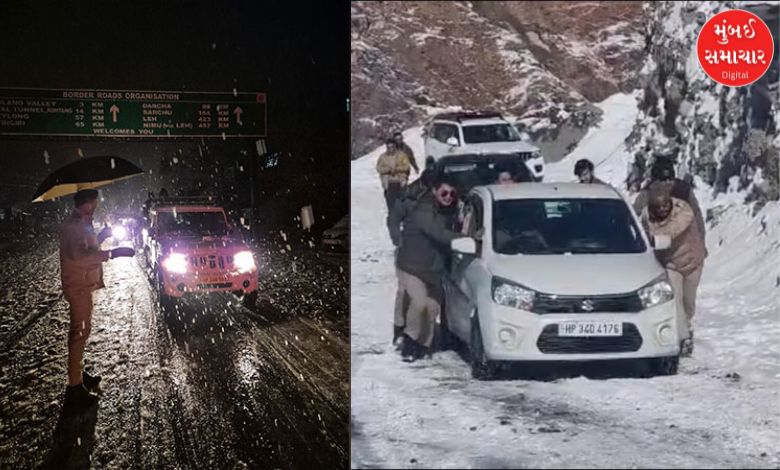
<point x="735" y="48"/>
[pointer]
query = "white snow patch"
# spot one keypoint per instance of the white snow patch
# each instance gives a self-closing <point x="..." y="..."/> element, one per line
<point x="604" y="145"/>
<point x="536" y="40"/>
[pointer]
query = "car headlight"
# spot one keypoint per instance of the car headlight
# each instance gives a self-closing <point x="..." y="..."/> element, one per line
<point x="175" y="263"/>
<point x="656" y="292"/>
<point x="509" y="294"/>
<point x="118" y="232"/>
<point x="244" y="261"/>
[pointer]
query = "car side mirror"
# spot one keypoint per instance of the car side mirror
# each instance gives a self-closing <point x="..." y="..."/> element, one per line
<point x="452" y="142"/>
<point x="662" y="242"/>
<point x="464" y="245"/>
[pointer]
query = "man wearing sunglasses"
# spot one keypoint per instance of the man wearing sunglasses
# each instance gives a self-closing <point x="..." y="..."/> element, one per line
<point x="404" y="205"/>
<point x="423" y="249"/>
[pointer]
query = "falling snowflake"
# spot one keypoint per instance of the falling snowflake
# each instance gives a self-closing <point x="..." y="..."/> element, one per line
<point x="80" y="152"/>
<point x="235" y="93"/>
<point x="175" y="160"/>
<point x="46" y="157"/>
<point x="113" y="164"/>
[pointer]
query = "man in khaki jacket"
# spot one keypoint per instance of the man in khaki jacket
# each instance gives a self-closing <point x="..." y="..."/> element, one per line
<point x="684" y="260"/>
<point x="82" y="272"/>
<point x="393" y="168"/>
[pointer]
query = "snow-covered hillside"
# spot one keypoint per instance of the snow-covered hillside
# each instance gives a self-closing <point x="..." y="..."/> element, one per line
<point x="538" y="61"/>
<point x="726" y="136"/>
<point x="721" y="411"/>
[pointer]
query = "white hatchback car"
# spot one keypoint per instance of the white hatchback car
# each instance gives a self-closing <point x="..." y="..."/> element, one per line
<point x="475" y="133"/>
<point x="559" y="272"/>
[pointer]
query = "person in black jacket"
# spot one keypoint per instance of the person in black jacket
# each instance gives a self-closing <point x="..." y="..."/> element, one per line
<point x="424" y="244"/>
<point x="408" y="200"/>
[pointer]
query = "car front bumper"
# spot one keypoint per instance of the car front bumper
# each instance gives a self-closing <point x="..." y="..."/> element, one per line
<point x="176" y="285"/>
<point x="515" y="335"/>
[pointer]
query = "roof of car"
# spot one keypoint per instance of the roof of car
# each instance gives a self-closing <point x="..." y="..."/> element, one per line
<point x="551" y="191"/>
<point x="467" y="115"/>
<point x="483" y="122"/>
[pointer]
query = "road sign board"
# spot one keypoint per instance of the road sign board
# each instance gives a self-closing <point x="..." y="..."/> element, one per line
<point x="128" y="113"/>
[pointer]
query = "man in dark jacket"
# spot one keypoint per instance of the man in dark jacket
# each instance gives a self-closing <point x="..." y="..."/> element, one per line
<point x="402" y="146"/>
<point x="584" y="171"/>
<point x="408" y="200"/>
<point x="403" y="206"/>
<point x="421" y="262"/>
<point x="662" y="175"/>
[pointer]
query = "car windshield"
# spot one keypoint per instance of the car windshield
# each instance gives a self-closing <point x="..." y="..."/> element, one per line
<point x="480" y="134"/>
<point x="557" y="226"/>
<point x="196" y="224"/>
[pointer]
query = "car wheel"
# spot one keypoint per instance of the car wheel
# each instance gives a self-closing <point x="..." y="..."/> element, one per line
<point x="664" y="365"/>
<point x="481" y="367"/>
<point x="250" y="300"/>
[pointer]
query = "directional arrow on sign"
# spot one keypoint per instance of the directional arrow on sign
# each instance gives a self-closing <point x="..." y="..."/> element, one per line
<point x="238" y="112"/>
<point x="114" y="111"/>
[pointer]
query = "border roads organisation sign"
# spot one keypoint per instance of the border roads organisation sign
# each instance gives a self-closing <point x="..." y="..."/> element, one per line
<point x="128" y="113"/>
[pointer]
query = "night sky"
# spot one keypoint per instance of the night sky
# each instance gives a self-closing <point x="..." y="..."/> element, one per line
<point x="297" y="53"/>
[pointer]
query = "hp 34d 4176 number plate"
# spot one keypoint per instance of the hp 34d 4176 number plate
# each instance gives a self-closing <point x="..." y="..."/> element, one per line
<point x="590" y="328"/>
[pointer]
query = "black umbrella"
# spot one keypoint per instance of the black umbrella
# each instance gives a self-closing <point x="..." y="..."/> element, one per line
<point x="85" y="173"/>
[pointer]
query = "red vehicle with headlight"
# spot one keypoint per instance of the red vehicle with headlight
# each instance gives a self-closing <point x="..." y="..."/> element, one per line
<point x="190" y="248"/>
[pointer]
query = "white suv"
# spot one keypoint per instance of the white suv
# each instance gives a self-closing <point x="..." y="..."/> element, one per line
<point x="474" y="133"/>
<point x="559" y="272"/>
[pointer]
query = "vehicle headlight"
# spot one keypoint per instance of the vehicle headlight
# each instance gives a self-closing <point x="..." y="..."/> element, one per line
<point x="118" y="232"/>
<point x="244" y="261"/>
<point x="175" y="263"/>
<point x="656" y="292"/>
<point x="509" y="294"/>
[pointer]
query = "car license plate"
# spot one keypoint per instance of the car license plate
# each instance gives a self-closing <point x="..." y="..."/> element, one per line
<point x="590" y="328"/>
<point x="215" y="280"/>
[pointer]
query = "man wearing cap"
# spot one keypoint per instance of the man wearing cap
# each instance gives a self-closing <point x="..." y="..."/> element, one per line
<point x="81" y="270"/>
<point x="684" y="260"/>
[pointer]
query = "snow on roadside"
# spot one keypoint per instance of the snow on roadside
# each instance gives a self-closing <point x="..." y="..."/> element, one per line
<point x="603" y="144"/>
<point x="432" y="414"/>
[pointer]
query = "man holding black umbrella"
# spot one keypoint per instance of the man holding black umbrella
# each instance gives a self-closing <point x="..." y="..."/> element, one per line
<point x="82" y="272"/>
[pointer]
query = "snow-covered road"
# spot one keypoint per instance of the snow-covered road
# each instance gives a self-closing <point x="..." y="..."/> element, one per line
<point x="216" y="386"/>
<point x="721" y="411"/>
